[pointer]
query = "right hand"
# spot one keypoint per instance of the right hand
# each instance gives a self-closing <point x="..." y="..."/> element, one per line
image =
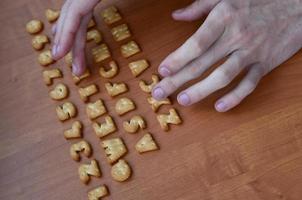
<point x="70" y="32"/>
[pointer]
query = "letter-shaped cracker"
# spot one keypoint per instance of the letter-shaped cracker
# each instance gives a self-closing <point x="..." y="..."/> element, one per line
<point x="155" y="105"/>
<point x="104" y="129"/>
<point x="130" y="49"/>
<point x="121" y="171"/>
<point x="78" y="79"/>
<point x="98" y="193"/>
<point x="114" y="149"/>
<point x="120" y="32"/>
<point x="124" y="105"/>
<point x="111" y="15"/>
<point x="68" y="59"/>
<point x="146" y="144"/>
<point x="166" y="119"/>
<point x="138" y="67"/>
<point x="134" y="124"/>
<point x="49" y="75"/>
<point x="81" y="146"/>
<point x="34" y="26"/>
<point x="38" y="42"/>
<point x="94" y="35"/>
<point x="88" y="91"/>
<point x="112" y="72"/>
<point x="116" y="88"/>
<point x="148" y="87"/>
<point x="88" y="170"/>
<point x="60" y="92"/>
<point x="74" y="132"/>
<point x="52" y="15"/>
<point x="45" y="58"/>
<point x="95" y="109"/>
<point x="100" y="53"/>
<point x="66" y="111"/>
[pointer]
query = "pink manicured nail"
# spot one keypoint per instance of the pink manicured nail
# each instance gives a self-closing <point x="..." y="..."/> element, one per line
<point x="75" y="70"/>
<point x="221" y="107"/>
<point x="178" y="11"/>
<point x="59" y="48"/>
<point x="158" y="93"/>
<point x="184" y="99"/>
<point x="53" y="29"/>
<point x="54" y="50"/>
<point x="164" y="71"/>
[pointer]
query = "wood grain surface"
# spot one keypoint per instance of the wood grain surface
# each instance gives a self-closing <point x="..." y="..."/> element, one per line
<point x="253" y="152"/>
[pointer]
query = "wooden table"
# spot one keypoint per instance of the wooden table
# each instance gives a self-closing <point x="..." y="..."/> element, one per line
<point x="252" y="152"/>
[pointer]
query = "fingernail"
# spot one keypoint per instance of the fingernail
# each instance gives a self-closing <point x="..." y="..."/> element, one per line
<point x="184" y="99"/>
<point x="54" y="50"/>
<point x="58" y="50"/>
<point x="75" y="70"/>
<point x="178" y="11"/>
<point x="53" y="29"/>
<point x="164" y="71"/>
<point x="158" y="93"/>
<point x="221" y="107"/>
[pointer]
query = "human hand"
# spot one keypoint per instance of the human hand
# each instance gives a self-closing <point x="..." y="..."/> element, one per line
<point x="70" y="32"/>
<point x="254" y="35"/>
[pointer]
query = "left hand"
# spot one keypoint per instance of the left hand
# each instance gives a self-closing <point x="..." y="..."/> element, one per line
<point x="257" y="35"/>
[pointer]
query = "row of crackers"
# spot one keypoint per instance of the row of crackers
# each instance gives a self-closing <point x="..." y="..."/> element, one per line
<point x="120" y="171"/>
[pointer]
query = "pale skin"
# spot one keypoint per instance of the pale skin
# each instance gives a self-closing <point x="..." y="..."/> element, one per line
<point x="255" y="36"/>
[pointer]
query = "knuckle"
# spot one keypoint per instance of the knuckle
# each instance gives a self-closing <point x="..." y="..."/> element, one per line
<point x="222" y="77"/>
<point x="261" y="70"/>
<point x="194" y="70"/>
<point x="246" y="37"/>
<point x="243" y="33"/>
<point x="172" y="59"/>
<point x="169" y="84"/>
<point x="227" y="17"/>
<point x="238" y="61"/>
<point x="196" y="43"/>
<point x="226" y="11"/>
<point x="241" y="38"/>
<point x="249" y="87"/>
<point x="236" y="97"/>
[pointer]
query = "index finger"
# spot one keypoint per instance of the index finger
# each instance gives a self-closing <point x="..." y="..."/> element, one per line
<point x="76" y="11"/>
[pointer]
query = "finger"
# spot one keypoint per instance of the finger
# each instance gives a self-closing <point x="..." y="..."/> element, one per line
<point x="218" y="79"/>
<point x="195" y="46"/>
<point x="76" y="12"/>
<point x="245" y="88"/>
<point x="58" y="26"/>
<point x="78" y="49"/>
<point x="196" y="10"/>
<point x="191" y="71"/>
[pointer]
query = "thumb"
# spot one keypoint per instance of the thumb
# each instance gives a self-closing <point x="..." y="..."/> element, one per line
<point x="196" y="10"/>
